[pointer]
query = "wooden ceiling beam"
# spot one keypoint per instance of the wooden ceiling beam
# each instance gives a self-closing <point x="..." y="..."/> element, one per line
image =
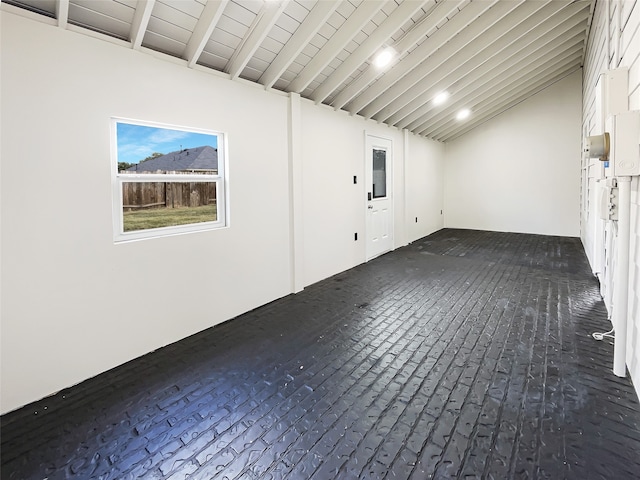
<point x="497" y="78"/>
<point x="518" y="91"/>
<point x="460" y="64"/>
<point x="316" y="18"/>
<point x="536" y="55"/>
<point x="375" y="42"/>
<point x="520" y="53"/>
<point x="264" y="21"/>
<point x="509" y="86"/>
<point x="486" y="96"/>
<point x="385" y="89"/>
<point x="349" y="29"/>
<point x="140" y="22"/>
<point x="202" y="32"/>
<point x="541" y="85"/>
<point x="419" y="30"/>
<point x="62" y="13"/>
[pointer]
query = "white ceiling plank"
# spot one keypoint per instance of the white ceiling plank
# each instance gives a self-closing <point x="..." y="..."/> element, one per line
<point x="496" y="101"/>
<point x="455" y="127"/>
<point x="302" y="36"/>
<point x="488" y="54"/>
<point x="486" y="74"/>
<point x="418" y="31"/>
<point x="48" y="19"/>
<point x="299" y="10"/>
<point x="428" y="82"/>
<point x="495" y="42"/>
<point x="428" y="116"/>
<point x="485" y="36"/>
<point x="204" y="28"/>
<point x="534" y="89"/>
<point x="62" y="13"/>
<point x="427" y="22"/>
<point x="161" y="43"/>
<point x="288" y="23"/>
<point x="507" y="87"/>
<point x="349" y="29"/>
<point x="117" y="11"/>
<point x="244" y="11"/>
<point x="538" y="39"/>
<point x="433" y="123"/>
<point x="264" y="21"/>
<point x="166" y="9"/>
<point x="370" y="46"/>
<point x="376" y="97"/>
<point x="168" y="29"/>
<point x="140" y="22"/>
<point x="405" y="65"/>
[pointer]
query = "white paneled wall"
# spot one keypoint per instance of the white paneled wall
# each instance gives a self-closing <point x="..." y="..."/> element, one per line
<point x="633" y="358"/>
<point x="614" y="42"/>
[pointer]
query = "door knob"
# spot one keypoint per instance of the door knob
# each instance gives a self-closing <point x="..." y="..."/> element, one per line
<point x="370" y="207"/>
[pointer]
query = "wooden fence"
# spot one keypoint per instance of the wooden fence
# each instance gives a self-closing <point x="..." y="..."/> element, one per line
<point x="140" y="195"/>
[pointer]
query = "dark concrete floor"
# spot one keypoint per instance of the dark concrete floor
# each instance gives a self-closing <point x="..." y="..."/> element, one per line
<point x="464" y="355"/>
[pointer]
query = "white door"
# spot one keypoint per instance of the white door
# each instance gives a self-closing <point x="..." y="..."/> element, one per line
<point x="379" y="204"/>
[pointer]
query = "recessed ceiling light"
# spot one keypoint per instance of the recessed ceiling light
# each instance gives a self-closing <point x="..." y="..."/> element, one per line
<point x="384" y="57"/>
<point x="464" y="113"/>
<point x="440" y="98"/>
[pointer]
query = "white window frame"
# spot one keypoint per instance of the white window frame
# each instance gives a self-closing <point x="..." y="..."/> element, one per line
<point x="118" y="179"/>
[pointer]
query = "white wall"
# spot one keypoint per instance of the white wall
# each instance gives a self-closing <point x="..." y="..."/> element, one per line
<point x="614" y="42"/>
<point x="520" y="171"/>
<point x="424" y="187"/>
<point x="334" y="207"/>
<point x="74" y="304"/>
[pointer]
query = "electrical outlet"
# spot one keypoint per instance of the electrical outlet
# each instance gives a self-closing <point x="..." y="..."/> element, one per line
<point x="416" y="219"/>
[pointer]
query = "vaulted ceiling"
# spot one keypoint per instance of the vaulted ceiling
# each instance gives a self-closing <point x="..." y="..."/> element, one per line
<point x="488" y="55"/>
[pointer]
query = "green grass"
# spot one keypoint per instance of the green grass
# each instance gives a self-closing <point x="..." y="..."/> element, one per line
<point x="167" y="217"/>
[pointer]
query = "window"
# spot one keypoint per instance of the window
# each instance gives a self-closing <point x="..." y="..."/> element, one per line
<point x="379" y="173"/>
<point x="166" y="180"/>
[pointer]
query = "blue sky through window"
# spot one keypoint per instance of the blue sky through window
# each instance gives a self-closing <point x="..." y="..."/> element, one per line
<point x="137" y="142"/>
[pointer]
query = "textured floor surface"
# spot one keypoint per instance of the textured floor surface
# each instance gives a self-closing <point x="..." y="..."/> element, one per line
<point x="464" y="355"/>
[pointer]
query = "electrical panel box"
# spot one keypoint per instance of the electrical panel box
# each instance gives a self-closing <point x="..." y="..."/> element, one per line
<point x="611" y="97"/>
<point x="624" y="131"/>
